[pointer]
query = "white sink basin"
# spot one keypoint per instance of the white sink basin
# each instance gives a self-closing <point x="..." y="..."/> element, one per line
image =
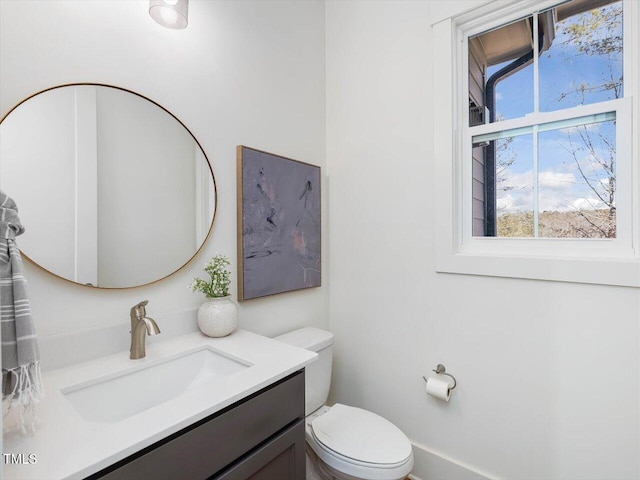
<point x="117" y="396"/>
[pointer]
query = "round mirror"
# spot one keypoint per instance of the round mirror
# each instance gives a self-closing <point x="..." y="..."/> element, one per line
<point x="112" y="189"/>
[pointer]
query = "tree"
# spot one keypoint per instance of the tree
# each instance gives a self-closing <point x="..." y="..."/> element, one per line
<point x="592" y="42"/>
<point x="596" y="33"/>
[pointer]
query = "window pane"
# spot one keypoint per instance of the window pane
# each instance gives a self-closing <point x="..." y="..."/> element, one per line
<point x="577" y="181"/>
<point x="514" y="186"/>
<point x="583" y="62"/>
<point x="580" y="62"/>
<point x="503" y="169"/>
<point x="501" y="73"/>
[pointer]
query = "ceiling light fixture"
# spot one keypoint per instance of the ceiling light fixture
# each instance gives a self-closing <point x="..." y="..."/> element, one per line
<point x="170" y="13"/>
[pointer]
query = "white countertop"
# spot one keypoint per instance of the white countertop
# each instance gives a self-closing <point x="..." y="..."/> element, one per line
<point x="68" y="447"/>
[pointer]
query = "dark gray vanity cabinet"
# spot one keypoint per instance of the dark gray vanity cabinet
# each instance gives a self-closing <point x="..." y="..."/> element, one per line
<point x="260" y="437"/>
<point x="277" y="459"/>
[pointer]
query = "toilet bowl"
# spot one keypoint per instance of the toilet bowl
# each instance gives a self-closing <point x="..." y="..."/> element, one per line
<point x="345" y="442"/>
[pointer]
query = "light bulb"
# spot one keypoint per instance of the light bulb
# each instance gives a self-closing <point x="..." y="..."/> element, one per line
<point x="170" y="13"/>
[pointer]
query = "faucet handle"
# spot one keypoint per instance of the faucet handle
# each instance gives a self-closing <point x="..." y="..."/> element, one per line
<point x="138" y="310"/>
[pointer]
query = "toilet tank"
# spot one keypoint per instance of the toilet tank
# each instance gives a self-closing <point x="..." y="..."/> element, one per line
<point x="318" y="374"/>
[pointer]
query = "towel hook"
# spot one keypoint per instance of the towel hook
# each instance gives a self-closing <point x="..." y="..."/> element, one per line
<point x="441" y="370"/>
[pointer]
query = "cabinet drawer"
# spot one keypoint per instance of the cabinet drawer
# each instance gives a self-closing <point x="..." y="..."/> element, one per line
<point x="282" y="457"/>
<point x="207" y="447"/>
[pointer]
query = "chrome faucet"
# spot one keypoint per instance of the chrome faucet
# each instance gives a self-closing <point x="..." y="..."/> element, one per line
<point x="141" y="324"/>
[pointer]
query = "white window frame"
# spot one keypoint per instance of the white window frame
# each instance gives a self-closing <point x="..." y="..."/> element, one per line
<point x="599" y="261"/>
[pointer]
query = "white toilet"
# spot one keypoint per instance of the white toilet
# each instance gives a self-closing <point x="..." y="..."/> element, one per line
<point x="345" y="443"/>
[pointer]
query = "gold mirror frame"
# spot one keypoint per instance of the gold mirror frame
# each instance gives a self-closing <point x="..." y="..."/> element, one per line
<point x="206" y="158"/>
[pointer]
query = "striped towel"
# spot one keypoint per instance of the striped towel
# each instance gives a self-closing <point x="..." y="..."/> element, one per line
<point x="21" y="378"/>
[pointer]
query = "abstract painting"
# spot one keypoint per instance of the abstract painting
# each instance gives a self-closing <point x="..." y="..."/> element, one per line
<point x="278" y="224"/>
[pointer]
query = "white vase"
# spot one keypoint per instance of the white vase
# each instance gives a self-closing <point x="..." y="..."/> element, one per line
<point x="218" y="317"/>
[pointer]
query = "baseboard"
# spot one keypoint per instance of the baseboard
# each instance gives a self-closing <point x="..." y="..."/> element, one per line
<point x="431" y="465"/>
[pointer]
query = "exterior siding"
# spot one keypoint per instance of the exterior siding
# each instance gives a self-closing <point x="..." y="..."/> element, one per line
<point x="476" y="95"/>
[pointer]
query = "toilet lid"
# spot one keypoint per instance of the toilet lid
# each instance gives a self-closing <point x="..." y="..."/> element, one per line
<point x="361" y="435"/>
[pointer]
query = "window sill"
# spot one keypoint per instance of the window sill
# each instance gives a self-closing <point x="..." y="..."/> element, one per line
<point x="601" y="271"/>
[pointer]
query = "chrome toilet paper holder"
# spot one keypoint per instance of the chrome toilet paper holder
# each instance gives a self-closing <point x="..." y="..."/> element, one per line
<point x="441" y="370"/>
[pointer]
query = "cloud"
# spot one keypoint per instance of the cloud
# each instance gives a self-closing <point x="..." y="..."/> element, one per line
<point x="515" y="202"/>
<point x="556" y="180"/>
<point x="558" y="191"/>
<point x="590" y="203"/>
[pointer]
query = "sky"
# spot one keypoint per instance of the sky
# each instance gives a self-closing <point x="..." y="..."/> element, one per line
<point x="562" y="152"/>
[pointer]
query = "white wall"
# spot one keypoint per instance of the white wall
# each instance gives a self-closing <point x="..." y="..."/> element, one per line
<point x="547" y="372"/>
<point x="248" y="72"/>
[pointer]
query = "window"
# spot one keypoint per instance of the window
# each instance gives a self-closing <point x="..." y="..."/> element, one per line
<point x="555" y="177"/>
<point x="540" y="175"/>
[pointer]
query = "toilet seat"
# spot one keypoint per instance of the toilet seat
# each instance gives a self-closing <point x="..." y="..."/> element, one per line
<point x="360" y="443"/>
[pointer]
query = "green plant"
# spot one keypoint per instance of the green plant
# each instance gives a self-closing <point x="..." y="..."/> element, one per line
<point x="220" y="278"/>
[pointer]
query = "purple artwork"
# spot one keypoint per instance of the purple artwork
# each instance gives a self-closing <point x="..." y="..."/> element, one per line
<point x="278" y="224"/>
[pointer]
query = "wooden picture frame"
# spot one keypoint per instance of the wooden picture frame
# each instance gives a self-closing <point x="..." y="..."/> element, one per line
<point x="279" y="224"/>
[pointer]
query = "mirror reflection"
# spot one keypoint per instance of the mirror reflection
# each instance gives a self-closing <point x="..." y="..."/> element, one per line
<point x="112" y="189"/>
